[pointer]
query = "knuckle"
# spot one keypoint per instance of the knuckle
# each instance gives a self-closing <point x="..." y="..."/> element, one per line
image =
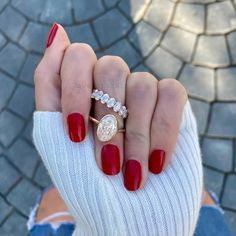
<point x="80" y="51"/>
<point x="112" y="63"/>
<point x="173" y="89"/>
<point x="141" y="86"/>
<point x="134" y="136"/>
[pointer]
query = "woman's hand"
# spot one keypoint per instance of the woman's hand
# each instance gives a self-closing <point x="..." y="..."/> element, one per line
<point x="154" y="140"/>
<point x="64" y="81"/>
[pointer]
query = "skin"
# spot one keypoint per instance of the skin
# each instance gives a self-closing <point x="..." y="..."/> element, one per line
<point x="59" y="88"/>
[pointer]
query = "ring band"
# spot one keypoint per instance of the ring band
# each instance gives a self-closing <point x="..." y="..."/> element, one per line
<point x="107" y="127"/>
<point x="110" y="102"/>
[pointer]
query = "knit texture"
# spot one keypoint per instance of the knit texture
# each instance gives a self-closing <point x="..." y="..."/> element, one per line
<point x="167" y="205"/>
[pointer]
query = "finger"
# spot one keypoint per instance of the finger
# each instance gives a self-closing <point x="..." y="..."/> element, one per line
<point x="140" y="99"/>
<point x="76" y="76"/>
<point x="166" y="121"/>
<point x="47" y="73"/>
<point x="110" y="76"/>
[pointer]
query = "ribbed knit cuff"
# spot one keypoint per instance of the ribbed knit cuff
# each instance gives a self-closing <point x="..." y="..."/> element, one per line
<point x="168" y="204"/>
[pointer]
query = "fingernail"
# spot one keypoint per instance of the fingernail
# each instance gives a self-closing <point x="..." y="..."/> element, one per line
<point x="76" y="127"/>
<point x="133" y="175"/>
<point x="156" y="161"/>
<point x="110" y="159"/>
<point x="52" y="34"/>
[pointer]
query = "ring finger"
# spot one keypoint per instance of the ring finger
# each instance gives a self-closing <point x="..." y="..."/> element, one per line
<point x="141" y="99"/>
<point x="110" y="76"/>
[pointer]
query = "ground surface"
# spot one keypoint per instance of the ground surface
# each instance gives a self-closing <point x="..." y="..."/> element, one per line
<point x="191" y="40"/>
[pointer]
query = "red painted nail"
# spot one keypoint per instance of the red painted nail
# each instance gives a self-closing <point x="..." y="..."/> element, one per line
<point x="133" y="175"/>
<point x="110" y="159"/>
<point x="76" y="127"/>
<point x="156" y="161"/>
<point x="52" y="34"/>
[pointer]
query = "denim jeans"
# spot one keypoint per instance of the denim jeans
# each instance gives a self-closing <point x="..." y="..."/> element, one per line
<point x="211" y="223"/>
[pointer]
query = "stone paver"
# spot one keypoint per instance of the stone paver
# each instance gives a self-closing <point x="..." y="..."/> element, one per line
<point x="223" y="120"/>
<point x="193" y="41"/>
<point x="145" y="37"/>
<point x="5" y="209"/>
<point x="30" y="8"/>
<point x="201" y="111"/>
<point x="14" y="22"/>
<point x="24" y="157"/>
<point x="41" y="176"/>
<point x="34" y="37"/>
<point x="10" y="126"/>
<point x="212" y="52"/>
<point x="190" y="17"/>
<point x="27" y="72"/>
<point x="213" y="180"/>
<point x="179" y="42"/>
<point x="111" y="3"/>
<point x="11" y="59"/>
<point x="198" y="81"/>
<point x="160" y="13"/>
<point x="126" y="51"/>
<point x="221" y="17"/>
<point x="3" y="3"/>
<point x="232" y="45"/>
<point x="59" y="12"/>
<point x="22" y="201"/>
<point x="83" y="10"/>
<point x="8" y="175"/>
<point x="226" y="84"/>
<point x="82" y="33"/>
<point x="229" y="199"/>
<point x="218" y="154"/>
<point x="134" y="9"/>
<point x="6" y="89"/>
<point x="2" y="41"/>
<point x="231" y="218"/>
<point x="22" y="105"/>
<point x="164" y="64"/>
<point x="115" y="23"/>
<point x="14" y="225"/>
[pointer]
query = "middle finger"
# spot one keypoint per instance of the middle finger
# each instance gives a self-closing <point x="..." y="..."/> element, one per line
<point x="110" y="74"/>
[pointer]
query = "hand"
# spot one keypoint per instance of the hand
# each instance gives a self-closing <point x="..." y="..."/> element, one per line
<point x="169" y="204"/>
<point x="64" y="80"/>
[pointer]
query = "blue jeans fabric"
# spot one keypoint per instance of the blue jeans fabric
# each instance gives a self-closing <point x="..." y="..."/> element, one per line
<point x="211" y="222"/>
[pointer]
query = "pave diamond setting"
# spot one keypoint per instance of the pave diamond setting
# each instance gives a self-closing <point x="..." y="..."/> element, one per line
<point x="110" y="102"/>
<point x="107" y="128"/>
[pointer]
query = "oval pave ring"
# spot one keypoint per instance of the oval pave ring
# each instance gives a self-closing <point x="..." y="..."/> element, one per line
<point x="108" y="125"/>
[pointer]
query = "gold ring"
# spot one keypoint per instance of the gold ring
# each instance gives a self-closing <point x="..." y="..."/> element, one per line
<point x="107" y="127"/>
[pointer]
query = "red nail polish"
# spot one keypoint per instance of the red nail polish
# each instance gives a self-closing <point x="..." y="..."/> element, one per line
<point x="133" y="175"/>
<point x="52" y="34"/>
<point x="156" y="161"/>
<point x="110" y="156"/>
<point x="76" y="127"/>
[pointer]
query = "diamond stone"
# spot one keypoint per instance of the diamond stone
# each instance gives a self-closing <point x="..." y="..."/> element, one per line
<point x="111" y="102"/>
<point x="107" y="128"/>
<point x="93" y="93"/>
<point x="98" y="95"/>
<point x="123" y="112"/>
<point x="105" y="98"/>
<point x="117" y="106"/>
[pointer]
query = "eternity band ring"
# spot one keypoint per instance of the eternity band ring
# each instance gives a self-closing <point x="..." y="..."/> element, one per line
<point x="107" y="127"/>
<point x="110" y="102"/>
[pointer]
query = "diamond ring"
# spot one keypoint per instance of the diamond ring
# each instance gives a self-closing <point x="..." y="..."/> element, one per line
<point x="110" y="102"/>
<point x="107" y="127"/>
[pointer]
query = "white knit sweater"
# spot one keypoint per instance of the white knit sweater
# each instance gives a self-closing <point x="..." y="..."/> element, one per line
<point x="168" y="205"/>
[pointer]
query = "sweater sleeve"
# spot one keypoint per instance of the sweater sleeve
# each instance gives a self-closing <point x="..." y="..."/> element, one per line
<point x="168" y="204"/>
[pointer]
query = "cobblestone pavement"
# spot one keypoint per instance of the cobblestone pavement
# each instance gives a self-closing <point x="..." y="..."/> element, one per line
<point x="191" y="40"/>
